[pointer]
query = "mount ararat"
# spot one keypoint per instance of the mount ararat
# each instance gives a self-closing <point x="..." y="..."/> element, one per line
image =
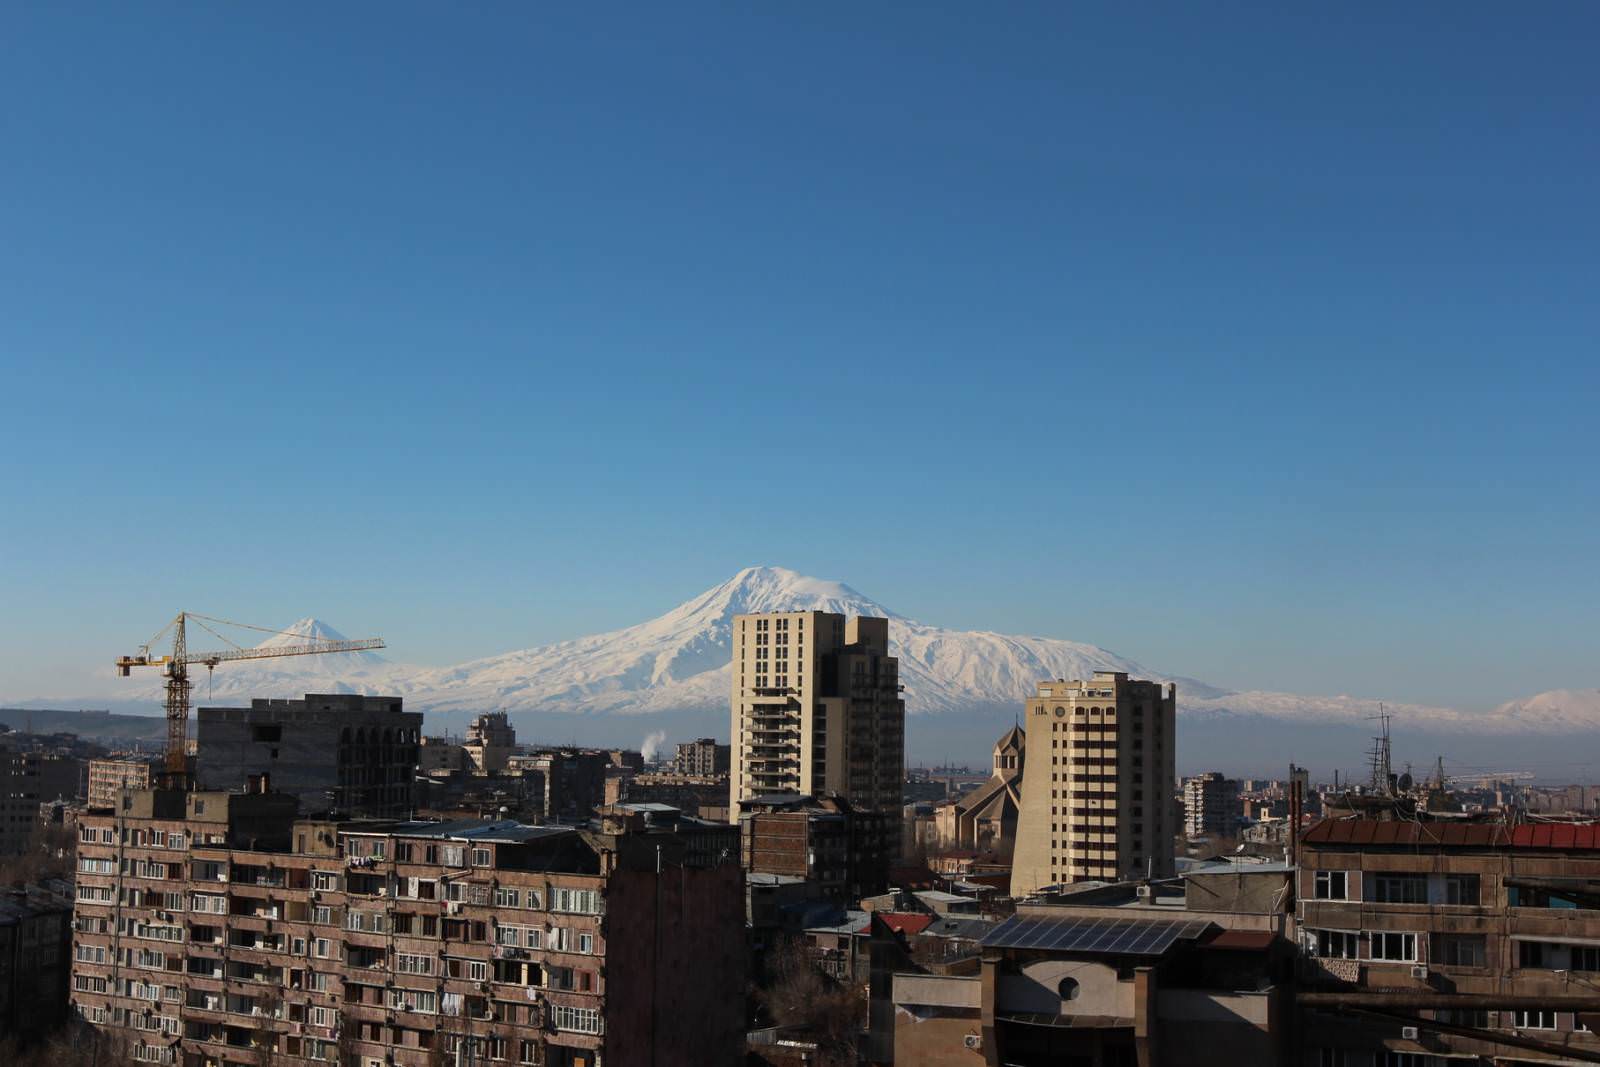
<point x="676" y="667"/>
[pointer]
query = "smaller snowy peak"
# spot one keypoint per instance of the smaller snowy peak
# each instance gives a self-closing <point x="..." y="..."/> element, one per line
<point x="306" y="630"/>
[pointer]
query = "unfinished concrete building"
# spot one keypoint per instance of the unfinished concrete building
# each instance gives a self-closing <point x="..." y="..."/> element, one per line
<point x="346" y="753"/>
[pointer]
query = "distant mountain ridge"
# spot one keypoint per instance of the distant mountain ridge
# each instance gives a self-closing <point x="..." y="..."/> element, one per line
<point x="680" y="662"/>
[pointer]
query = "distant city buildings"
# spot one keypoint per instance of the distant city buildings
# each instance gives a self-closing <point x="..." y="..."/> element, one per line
<point x="702" y="758"/>
<point x="356" y="755"/>
<point x="491" y="741"/>
<point x="29" y="779"/>
<point x="109" y="777"/>
<point x="1098" y="797"/>
<point x="816" y="710"/>
<point x="1210" y="805"/>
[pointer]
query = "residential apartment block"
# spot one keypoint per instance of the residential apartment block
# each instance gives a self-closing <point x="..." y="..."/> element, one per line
<point x="354" y="755"/>
<point x="1210" y="805"/>
<point x="109" y="777"/>
<point x="1476" y="942"/>
<point x="1097" y="799"/>
<point x="816" y="709"/>
<point x="491" y="740"/>
<point x="702" y="758"/>
<point x="220" y="930"/>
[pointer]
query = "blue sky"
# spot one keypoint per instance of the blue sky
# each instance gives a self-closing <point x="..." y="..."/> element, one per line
<point x="1256" y="344"/>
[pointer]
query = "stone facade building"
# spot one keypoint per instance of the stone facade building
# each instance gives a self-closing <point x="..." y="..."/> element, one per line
<point x="220" y="929"/>
<point x="816" y="709"/>
<point x="354" y="755"/>
<point x="986" y="817"/>
<point x="826" y="841"/>
<point x="1478" y="942"/>
<point x="1097" y="801"/>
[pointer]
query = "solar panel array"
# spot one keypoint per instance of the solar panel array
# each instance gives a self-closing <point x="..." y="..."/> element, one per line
<point x="1126" y="937"/>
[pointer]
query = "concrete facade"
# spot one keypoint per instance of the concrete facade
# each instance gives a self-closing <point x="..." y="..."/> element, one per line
<point x="356" y="755"/>
<point x="816" y="709"/>
<point x="1097" y="799"/>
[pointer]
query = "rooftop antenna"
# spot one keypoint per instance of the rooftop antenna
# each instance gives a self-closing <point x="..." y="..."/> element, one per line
<point x="1379" y="757"/>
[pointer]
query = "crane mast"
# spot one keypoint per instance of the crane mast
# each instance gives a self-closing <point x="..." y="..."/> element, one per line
<point x="176" y="669"/>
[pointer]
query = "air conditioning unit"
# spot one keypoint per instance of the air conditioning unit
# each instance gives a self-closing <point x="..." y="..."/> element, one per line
<point x="1419" y="972"/>
<point x="973" y="1041"/>
<point x="1409" y="1033"/>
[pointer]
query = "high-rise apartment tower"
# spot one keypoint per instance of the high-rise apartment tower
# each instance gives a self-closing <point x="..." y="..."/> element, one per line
<point x="1097" y="801"/>
<point x="817" y="710"/>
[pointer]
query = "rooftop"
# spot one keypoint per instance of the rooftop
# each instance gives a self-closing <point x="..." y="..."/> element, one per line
<point x="1559" y="836"/>
<point x="1109" y="937"/>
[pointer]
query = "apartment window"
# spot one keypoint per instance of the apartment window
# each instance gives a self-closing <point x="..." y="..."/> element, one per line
<point x="1332" y="885"/>
<point x="1400" y="888"/>
<point x="507" y="935"/>
<point x="324" y="881"/>
<point x="1533" y="1020"/>
<point x="1338" y="944"/>
<point x="480" y="857"/>
<point x="1461" y="889"/>
<point x="506" y="898"/>
<point x="412" y="964"/>
<point x="586" y="943"/>
<point x="326" y="1017"/>
<point x="581" y="901"/>
<point x="1460" y="950"/>
<point x="1399" y="948"/>
<point x="322" y="914"/>
<point x="454" y="856"/>
<point x="580" y="1020"/>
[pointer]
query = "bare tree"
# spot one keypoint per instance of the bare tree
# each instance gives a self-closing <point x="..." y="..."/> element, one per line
<point x="798" y="994"/>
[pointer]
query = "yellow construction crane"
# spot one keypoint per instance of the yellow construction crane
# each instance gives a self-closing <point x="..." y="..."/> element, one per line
<point x="177" y="671"/>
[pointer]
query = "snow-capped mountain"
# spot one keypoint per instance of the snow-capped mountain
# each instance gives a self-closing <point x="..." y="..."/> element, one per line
<point x="680" y="662"/>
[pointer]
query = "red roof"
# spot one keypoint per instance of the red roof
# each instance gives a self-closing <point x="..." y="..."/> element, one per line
<point x="901" y="922"/>
<point x="1554" y="836"/>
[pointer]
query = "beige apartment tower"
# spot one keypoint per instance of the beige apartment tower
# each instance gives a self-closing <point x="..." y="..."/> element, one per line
<point x="817" y="710"/>
<point x="1097" y="801"/>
